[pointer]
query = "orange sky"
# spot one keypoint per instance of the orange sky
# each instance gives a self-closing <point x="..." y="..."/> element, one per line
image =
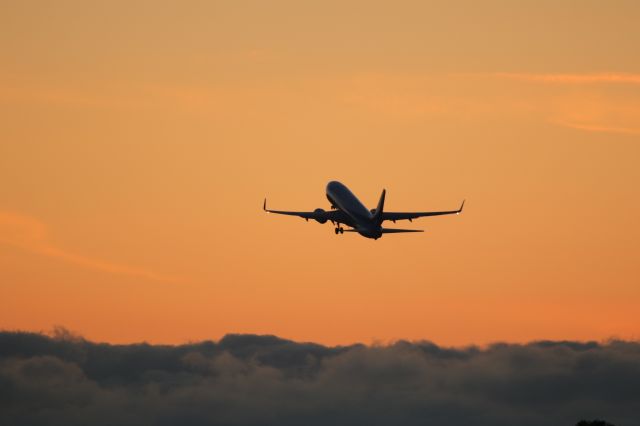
<point x="138" y="139"/>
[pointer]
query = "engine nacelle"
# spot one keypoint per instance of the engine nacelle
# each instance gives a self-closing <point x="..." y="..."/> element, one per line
<point x="321" y="215"/>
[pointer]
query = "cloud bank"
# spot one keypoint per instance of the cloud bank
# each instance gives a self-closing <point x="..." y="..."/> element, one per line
<point x="265" y="380"/>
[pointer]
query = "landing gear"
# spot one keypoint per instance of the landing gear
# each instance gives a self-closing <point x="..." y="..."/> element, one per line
<point x="339" y="230"/>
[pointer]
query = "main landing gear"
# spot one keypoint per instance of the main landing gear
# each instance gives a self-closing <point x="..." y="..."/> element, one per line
<point x="339" y="230"/>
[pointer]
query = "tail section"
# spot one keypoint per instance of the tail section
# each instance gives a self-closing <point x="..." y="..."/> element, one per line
<point x="377" y="216"/>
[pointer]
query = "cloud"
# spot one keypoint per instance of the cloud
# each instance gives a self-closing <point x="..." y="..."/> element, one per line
<point x="589" y="78"/>
<point x="605" y="102"/>
<point x="29" y="234"/>
<point x="480" y="96"/>
<point x="599" y="129"/>
<point x="263" y="380"/>
<point x="397" y="97"/>
<point x="600" y="113"/>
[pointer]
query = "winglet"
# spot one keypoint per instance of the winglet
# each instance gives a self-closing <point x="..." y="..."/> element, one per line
<point x="461" y="207"/>
<point x="264" y="206"/>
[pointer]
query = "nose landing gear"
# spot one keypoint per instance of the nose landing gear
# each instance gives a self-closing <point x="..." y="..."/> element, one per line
<point x="339" y="230"/>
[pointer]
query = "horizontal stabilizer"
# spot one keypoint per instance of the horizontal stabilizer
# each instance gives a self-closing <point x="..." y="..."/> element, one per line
<point x="397" y="231"/>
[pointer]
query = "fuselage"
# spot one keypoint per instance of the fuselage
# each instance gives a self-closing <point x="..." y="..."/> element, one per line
<point x="343" y="199"/>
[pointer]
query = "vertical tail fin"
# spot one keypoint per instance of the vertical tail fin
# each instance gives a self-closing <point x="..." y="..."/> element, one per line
<point x="377" y="217"/>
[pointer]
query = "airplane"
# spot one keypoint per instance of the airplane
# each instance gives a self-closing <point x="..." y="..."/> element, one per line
<point x="348" y="210"/>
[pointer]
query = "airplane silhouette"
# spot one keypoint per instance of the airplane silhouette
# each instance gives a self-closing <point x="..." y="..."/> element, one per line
<point x="348" y="210"/>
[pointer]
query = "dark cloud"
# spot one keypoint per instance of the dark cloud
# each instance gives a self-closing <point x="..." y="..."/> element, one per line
<point x="265" y="380"/>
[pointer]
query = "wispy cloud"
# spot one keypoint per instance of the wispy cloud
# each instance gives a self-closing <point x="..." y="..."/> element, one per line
<point x="598" y="129"/>
<point x="30" y="234"/>
<point x="596" y="107"/>
<point x="622" y="78"/>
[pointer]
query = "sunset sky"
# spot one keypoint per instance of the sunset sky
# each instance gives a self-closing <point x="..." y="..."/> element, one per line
<point x="138" y="140"/>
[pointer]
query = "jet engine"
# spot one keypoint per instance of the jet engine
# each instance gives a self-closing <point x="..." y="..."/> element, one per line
<point x="321" y="216"/>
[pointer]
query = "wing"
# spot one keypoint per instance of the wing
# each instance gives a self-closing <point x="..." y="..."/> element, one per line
<point x="393" y="216"/>
<point x="318" y="214"/>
